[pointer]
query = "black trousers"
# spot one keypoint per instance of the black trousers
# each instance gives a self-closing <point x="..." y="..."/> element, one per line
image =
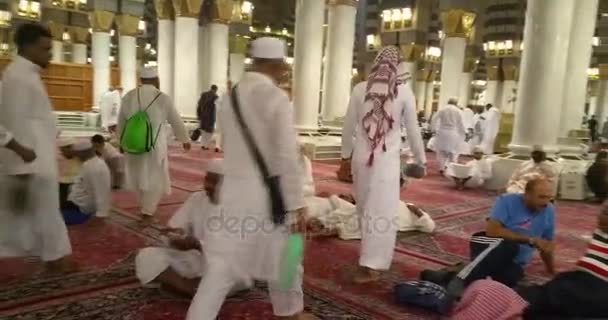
<point x="492" y="257"/>
<point x="569" y="294"/>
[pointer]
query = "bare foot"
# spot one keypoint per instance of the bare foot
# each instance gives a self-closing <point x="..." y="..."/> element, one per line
<point x="366" y="275"/>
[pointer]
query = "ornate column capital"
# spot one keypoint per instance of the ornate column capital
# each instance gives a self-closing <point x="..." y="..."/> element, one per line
<point x="510" y="72"/>
<point x="423" y="75"/>
<point x="412" y="52"/>
<point x="101" y="21"/>
<point x="352" y="3"/>
<point x="78" y="34"/>
<point x="603" y="68"/>
<point x="164" y="9"/>
<point x="218" y="11"/>
<point x="238" y="44"/>
<point x="56" y="29"/>
<point x="187" y="8"/>
<point x="458" y="23"/>
<point x="128" y="25"/>
<point x="493" y="72"/>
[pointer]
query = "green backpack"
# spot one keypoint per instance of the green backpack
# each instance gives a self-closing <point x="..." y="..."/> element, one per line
<point x="138" y="135"/>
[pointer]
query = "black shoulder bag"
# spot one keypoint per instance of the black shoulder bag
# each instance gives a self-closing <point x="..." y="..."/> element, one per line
<point x="273" y="183"/>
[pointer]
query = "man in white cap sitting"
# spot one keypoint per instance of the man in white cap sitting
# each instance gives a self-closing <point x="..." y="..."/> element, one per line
<point x="254" y="250"/>
<point x="473" y="174"/>
<point x="148" y="173"/>
<point x="69" y="166"/>
<point x="180" y="265"/>
<point x="91" y="191"/>
<point x="450" y="134"/>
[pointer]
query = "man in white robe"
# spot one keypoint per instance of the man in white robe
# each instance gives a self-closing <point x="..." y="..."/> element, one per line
<point x="148" y="173"/>
<point x="477" y="131"/>
<point x="450" y="134"/>
<point x="473" y="174"/>
<point x="536" y="168"/>
<point x="376" y="110"/>
<point x="114" y="159"/>
<point x="491" y="126"/>
<point x="246" y="245"/>
<point x="30" y="221"/>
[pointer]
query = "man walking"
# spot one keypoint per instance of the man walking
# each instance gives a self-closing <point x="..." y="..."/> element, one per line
<point x="206" y="117"/>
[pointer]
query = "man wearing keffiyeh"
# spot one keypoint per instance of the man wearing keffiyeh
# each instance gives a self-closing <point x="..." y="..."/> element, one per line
<point x="377" y="110"/>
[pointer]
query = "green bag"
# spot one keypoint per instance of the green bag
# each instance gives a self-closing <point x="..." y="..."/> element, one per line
<point x="138" y="135"/>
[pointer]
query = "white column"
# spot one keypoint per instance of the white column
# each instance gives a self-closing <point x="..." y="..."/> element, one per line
<point x="601" y="109"/>
<point x="165" y="53"/>
<point x="325" y="60"/>
<point x="420" y="95"/>
<point x="203" y="58"/>
<point x="452" y="63"/>
<point x="594" y="108"/>
<point x="491" y="93"/>
<point x="185" y="84"/>
<point x="237" y="67"/>
<point x="546" y="40"/>
<point x="79" y="53"/>
<point x="127" y="50"/>
<point x="428" y="99"/>
<point x="100" y="57"/>
<point x="218" y="55"/>
<point x="465" y="89"/>
<point x="579" y="58"/>
<point x="57" y="51"/>
<point x="307" y="71"/>
<point x="507" y="104"/>
<point x="339" y="61"/>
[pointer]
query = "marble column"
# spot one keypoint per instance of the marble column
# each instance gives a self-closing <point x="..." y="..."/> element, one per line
<point x="325" y="60"/>
<point x="601" y="110"/>
<point x="308" y="59"/>
<point x="101" y="22"/>
<point x="57" y="30"/>
<point x="493" y="85"/>
<point x="509" y="87"/>
<point x="412" y="53"/>
<point x="203" y="58"/>
<point x="79" y="36"/>
<point x="127" y="50"/>
<point x="429" y="97"/>
<point x="218" y="54"/>
<point x="238" y="49"/>
<point x="57" y="51"/>
<point x="79" y="53"/>
<point x="341" y="42"/>
<point x="165" y="45"/>
<point x="457" y="25"/>
<point x="546" y="42"/>
<point x="465" y="89"/>
<point x="421" y="77"/>
<point x="579" y="59"/>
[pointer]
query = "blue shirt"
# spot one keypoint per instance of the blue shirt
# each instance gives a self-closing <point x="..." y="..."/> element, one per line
<point x="512" y="212"/>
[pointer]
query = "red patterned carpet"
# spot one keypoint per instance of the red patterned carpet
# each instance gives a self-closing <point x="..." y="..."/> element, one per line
<point x="107" y="289"/>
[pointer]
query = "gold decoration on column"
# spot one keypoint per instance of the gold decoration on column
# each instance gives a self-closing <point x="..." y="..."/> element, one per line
<point x="238" y="44"/>
<point x="510" y="72"/>
<point x="458" y="23"/>
<point x="101" y="21"/>
<point x="493" y="72"/>
<point x="220" y="11"/>
<point x="412" y="52"/>
<point x="164" y="9"/>
<point x="78" y="34"/>
<point x="352" y="3"/>
<point x="423" y="75"/>
<point x="187" y="8"/>
<point x="603" y="68"/>
<point x="128" y="25"/>
<point x="56" y="29"/>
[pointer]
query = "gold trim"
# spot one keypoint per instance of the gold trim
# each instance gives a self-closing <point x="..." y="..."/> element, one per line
<point x="78" y="34"/>
<point x="458" y="23"/>
<point x="603" y="69"/>
<point x="101" y="21"/>
<point x="493" y="73"/>
<point x="164" y="9"/>
<point x="412" y="52"/>
<point x="350" y="3"/>
<point x="57" y="29"/>
<point x="187" y="8"/>
<point x="128" y="25"/>
<point x="220" y="12"/>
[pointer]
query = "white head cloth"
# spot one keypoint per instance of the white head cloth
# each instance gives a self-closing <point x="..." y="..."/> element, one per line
<point x="83" y="145"/>
<point x="148" y="73"/>
<point x="268" y="48"/>
<point x="216" y="166"/>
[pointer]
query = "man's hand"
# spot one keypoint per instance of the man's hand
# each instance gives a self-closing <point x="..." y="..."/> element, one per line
<point x="186" y="146"/>
<point x="544" y="246"/>
<point x="28" y="155"/>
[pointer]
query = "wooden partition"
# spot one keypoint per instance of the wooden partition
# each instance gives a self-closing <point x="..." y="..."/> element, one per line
<point x="70" y="85"/>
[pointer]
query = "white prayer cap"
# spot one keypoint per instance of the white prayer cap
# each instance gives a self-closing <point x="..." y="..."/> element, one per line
<point x="268" y="48"/>
<point x="83" y="145"/>
<point x="216" y="166"/>
<point x="66" y="142"/>
<point x="148" y="73"/>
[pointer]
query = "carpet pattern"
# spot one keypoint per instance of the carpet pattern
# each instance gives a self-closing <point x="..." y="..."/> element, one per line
<point x="106" y="287"/>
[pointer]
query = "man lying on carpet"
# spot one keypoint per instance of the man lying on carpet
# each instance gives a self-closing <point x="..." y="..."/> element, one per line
<point x="180" y="266"/>
<point x="332" y="215"/>
<point x="473" y="174"/>
<point x="579" y="293"/>
<point x="518" y="224"/>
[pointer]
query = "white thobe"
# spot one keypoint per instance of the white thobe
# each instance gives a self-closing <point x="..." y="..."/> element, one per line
<point x="477" y="132"/>
<point x="248" y="245"/>
<point x="26" y="114"/>
<point x="377" y="186"/>
<point x="479" y="172"/>
<point x="115" y="162"/>
<point x="450" y="134"/>
<point x="109" y="106"/>
<point x="528" y="171"/>
<point x="468" y="118"/>
<point x="491" y="126"/>
<point x="91" y="191"/>
<point x="148" y="173"/>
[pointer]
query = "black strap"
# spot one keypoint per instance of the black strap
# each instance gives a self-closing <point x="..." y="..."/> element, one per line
<point x="253" y="148"/>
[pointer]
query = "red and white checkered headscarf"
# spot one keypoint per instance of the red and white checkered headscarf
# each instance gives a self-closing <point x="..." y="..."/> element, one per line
<point x="381" y="88"/>
<point x="489" y="300"/>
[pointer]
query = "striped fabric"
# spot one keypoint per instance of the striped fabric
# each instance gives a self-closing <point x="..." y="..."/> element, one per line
<point x="492" y="244"/>
<point x="595" y="260"/>
<point x="489" y="300"/>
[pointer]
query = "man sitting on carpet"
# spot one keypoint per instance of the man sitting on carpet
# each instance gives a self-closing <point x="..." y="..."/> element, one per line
<point x="180" y="266"/>
<point x="538" y="167"/>
<point x="579" y="293"/>
<point x="91" y="192"/>
<point x="113" y="159"/>
<point x="69" y="168"/>
<point x="518" y="224"/>
<point x="477" y="171"/>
